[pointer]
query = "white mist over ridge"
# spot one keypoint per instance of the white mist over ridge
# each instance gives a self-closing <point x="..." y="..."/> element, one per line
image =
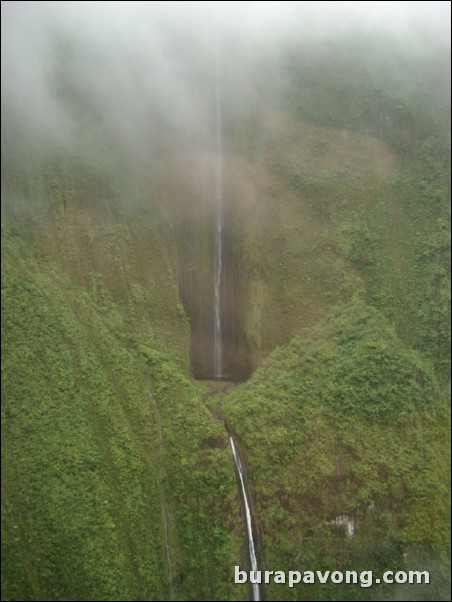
<point x="135" y="67"/>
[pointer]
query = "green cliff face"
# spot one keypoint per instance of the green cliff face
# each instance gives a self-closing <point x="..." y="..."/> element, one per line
<point x="118" y="480"/>
<point x="345" y="422"/>
<point x="115" y="474"/>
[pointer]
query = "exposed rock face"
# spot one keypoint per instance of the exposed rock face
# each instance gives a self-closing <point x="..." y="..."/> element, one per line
<point x="197" y="295"/>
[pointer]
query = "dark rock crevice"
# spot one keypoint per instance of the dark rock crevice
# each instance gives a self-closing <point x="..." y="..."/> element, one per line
<point x="196" y="250"/>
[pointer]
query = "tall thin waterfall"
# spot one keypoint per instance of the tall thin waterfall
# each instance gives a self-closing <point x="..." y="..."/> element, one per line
<point x="252" y="550"/>
<point x="218" y="234"/>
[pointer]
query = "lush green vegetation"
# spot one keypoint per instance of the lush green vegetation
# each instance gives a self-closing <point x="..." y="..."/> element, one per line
<point x="105" y="440"/>
<point x="118" y="479"/>
<point x="345" y="421"/>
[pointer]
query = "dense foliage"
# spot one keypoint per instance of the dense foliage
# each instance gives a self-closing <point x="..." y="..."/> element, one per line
<point x="345" y="421"/>
<point x="117" y="481"/>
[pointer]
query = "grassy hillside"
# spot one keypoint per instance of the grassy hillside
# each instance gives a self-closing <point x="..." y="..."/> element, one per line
<point x="346" y="421"/>
<point x="117" y="480"/>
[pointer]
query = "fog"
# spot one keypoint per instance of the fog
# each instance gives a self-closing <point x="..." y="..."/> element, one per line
<point x="141" y="72"/>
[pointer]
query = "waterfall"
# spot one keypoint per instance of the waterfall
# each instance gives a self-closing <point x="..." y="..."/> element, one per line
<point x="218" y="234"/>
<point x="253" y="560"/>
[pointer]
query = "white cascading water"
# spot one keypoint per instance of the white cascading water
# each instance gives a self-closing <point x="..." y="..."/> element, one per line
<point x="218" y="235"/>
<point x="252" y="550"/>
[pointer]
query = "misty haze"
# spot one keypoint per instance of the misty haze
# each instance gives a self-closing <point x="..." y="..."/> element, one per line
<point x="225" y="298"/>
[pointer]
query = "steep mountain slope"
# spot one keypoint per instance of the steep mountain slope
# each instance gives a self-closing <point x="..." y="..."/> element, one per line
<point x="118" y="479"/>
<point x="344" y="427"/>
